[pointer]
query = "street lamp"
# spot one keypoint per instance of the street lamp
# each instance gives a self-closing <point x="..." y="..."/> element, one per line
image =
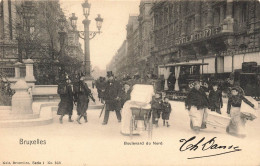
<point x="19" y="32"/>
<point x="86" y="8"/>
<point x="28" y="12"/>
<point x="62" y="34"/>
<point x="73" y="20"/>
<point x="99" y="22"/>
<point x="87" y="35"/>
<point x="25" y="29"/>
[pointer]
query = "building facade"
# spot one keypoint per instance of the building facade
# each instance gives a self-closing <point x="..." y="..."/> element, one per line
<point x="223" y="34"/>
<point x="138" y="44"/>
<point x="118" y="64"/>
<point x="132" y="39"/>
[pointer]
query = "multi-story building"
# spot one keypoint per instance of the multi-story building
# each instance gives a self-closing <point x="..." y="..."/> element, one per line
<point x="138" y="44"/>
<point x="132" y="44"/>
<point x="223" y="33"/>
<point x="145" y="29"/>
<point x="119" y="63"/>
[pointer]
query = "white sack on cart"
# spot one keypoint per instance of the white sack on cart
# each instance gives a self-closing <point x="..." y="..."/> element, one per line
<point x="141" y="96"/>
<point x="142" y="93"/>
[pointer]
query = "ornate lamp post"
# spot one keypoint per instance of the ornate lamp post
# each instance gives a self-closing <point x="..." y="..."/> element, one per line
<point x="87" y="35"/>
<point x="25" y="29"/>
<point x="62" y="34"/>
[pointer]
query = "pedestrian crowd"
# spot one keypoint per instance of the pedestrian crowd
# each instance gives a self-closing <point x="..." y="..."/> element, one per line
<point x="197" y="103"/>
<point x="113" y="93"/>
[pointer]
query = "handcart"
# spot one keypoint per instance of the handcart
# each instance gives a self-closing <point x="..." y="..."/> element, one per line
<point x="142" y="114"/>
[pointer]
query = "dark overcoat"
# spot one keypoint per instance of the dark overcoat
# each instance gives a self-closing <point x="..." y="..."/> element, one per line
<point x="83" y="98"/>
<point x="166" y="111"/>
<point x="197" y="98"/>
<point x="112" y="95"/>
<point x="101" y="86"/>
<point x="66" y="99"/>
<point x="215" y="99"/>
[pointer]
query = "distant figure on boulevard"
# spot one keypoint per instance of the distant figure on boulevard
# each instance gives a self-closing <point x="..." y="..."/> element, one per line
<point x="111" y="96"/>
<point x="66" y="98"/>
<point x="101" y="85"/>
<point x="197" y="103"/>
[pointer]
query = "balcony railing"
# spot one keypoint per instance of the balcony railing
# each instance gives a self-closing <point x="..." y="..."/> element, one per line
<point x="7" y="71"/>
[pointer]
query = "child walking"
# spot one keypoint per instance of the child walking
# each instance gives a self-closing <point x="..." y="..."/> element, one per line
<point x="215" y="99"/>
<point x="166" y="111"/>
<point x="156" y="106"/>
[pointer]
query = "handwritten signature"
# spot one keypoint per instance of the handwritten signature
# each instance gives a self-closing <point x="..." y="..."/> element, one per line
<point x="209" y="145"/>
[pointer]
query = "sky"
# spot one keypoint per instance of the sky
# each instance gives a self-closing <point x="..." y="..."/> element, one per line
<point x="115" y="14"/>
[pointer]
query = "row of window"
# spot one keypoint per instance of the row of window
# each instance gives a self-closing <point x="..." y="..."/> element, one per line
<point x="166" y="16"/>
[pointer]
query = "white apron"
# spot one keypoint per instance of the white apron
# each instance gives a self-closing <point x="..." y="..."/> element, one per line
<point x="198" y="116"/>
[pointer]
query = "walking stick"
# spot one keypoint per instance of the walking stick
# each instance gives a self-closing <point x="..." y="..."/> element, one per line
<point x="102" y="110"/>
<point x="203" y="122"/>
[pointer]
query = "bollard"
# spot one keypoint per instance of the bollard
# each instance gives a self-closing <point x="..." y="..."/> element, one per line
<point x="21" y="100"/>
<point x="29" y="78"/>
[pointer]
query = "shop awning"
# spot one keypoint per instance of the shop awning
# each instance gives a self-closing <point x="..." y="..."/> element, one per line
<point x="182" y="64"/>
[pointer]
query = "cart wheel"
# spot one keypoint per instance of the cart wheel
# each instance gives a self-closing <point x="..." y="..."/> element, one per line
<point x="131" y="127"/>
<point x="150" y="128"/>
<point x="145" y="122"/>
<point x="135" y="124"/>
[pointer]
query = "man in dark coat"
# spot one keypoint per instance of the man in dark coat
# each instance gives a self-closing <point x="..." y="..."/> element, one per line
<point x="66" y="99"/>
<point x="215" y="99"/>
<point x="197" y="103"/>
<point x="111" y="97"/>
<point x="83" y="93"/>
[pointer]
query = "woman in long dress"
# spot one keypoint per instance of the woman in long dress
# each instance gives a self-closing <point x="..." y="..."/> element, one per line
<point x="66" y="100"/>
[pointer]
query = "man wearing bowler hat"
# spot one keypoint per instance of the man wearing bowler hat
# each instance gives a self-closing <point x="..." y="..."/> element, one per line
<point x="111" y="96"/>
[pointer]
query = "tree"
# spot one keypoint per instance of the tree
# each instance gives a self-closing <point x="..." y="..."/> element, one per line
<point x="38" y="25"/>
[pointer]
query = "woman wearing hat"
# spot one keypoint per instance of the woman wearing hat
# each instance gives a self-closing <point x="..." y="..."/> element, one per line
<point x="237" y="121"/>
<point x="66" y="99"/>
<point x="83" y="93"/>
<point x="197" y="103"/>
